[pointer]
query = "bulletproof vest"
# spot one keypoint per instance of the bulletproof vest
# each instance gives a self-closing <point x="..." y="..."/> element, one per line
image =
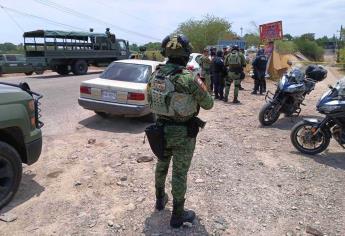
<point x="262" y="61"/>
<point x="205" y="63"/>
<point x="234" y="60"/>
<point x="166" y="101"/>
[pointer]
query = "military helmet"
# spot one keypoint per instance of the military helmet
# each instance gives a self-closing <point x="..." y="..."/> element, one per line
<point x="261" y="51"/>
<point x="176" y="46"/>
<point x="235" y="47"/>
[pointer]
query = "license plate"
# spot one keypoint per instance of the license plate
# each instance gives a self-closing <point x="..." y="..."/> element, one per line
<point x="108" y="95"/>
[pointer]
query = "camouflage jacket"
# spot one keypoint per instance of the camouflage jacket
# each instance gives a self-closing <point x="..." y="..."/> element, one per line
<point x="205" y="64"/>
<point x="184" y="82"/>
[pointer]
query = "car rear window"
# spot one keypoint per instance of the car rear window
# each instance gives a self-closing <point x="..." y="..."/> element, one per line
<point x="127" y="72"/>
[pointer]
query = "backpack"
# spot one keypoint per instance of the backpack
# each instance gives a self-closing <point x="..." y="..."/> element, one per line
<point x="234" y="60"/>
<point x="168" y="102"/>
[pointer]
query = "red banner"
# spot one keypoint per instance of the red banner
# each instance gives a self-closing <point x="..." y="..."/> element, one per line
<point x="271" y="31"/>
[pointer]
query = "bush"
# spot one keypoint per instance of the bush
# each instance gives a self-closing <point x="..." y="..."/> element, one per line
<point x="310" y="49"/>
<point x="286" y="47"/>
<point x="342" y="57"/>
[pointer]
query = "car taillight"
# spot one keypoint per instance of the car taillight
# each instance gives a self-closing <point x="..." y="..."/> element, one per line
<point x="85" y="90"/>
<point x="136" y="96"/>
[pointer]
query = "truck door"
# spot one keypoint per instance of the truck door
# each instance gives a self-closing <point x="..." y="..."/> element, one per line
<point x="123" y="49"/>
<point x="11" y="65"/>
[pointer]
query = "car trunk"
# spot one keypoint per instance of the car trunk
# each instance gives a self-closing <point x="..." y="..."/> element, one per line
<point x="114" y="91"/>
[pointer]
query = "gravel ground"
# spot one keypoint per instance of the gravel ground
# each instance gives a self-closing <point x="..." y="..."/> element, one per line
<point x="244" y="179"/>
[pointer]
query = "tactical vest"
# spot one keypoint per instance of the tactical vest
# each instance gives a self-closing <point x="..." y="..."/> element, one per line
<point x="234" y="60"/>
<point x="166" y="101"/>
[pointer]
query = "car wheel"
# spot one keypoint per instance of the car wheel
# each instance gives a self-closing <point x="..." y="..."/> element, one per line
<point x="102" y="114"/>
<point x="80" y="67"/>
<point x="10" y="173"/>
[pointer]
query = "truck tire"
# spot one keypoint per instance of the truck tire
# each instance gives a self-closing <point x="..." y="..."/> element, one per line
<point x="80" y="67"/>
<point x="29" y="73"/>
<point x="39" y="72"/>
<point x="62" y="69"/>
<point x="10" y="173"/>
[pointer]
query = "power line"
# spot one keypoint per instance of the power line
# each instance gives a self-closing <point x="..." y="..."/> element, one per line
<point x="83" y="16"/>
<point x="37" y="17"/>
<point x="12" y="18"/>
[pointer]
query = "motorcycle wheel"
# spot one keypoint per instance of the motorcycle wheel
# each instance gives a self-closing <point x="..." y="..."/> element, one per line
<point x="306" y="142"/>
<point x="268" y="115"/>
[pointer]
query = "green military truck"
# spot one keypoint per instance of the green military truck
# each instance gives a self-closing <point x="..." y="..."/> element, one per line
<point x="65" y="52"/>
<point x="20" y="135"/>
<point x="15" y="63"/>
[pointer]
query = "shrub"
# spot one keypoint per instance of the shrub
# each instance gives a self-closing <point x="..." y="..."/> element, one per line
<point x="342" y="57"/>
<point x="286" y="47"/>
<point x="310" y="49"/>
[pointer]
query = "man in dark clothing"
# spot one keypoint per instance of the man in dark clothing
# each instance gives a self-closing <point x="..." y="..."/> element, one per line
<point x="212" y="56"/>
<point x="259" y="66"/>
<point x="219" y="72"/>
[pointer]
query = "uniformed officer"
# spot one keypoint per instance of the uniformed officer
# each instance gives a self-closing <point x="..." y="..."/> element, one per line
<point x="259" y="66"/>
<point x="176" y="96"/>
<point x="205" y="64"/>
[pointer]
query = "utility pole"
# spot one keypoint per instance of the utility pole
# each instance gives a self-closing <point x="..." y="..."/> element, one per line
<point x="241" y="31"/>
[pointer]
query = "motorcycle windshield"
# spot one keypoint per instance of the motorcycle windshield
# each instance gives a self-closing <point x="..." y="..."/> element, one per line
<point x="340" y="88"/>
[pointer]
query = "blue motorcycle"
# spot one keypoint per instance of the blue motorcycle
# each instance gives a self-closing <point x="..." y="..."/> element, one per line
<point x="312" y="136"/>
<point x="289" y="95"/>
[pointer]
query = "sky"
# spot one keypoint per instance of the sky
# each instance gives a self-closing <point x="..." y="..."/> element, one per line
<point x="142" y="21"/>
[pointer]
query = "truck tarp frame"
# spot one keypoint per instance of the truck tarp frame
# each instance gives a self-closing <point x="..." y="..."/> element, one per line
<point x="61" y="34"/>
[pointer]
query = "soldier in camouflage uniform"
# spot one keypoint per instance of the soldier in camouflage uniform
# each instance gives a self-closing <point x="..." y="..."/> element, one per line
<point x="205" y="64"/>
<point x="176" y="96"/>
<point x="234" y="62"/>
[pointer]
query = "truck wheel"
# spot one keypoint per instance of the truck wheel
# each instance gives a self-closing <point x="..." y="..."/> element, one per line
<point x="29" y="73"/>
<point x="80" y="67"/>
<point x="39" y="72"/>
<point x="62" y="69"/>
<point x="10" y="173"/>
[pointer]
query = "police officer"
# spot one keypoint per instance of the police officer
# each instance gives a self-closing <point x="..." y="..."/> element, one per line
<point x="205" y="64"/>
<point x="234" y="62"/>
<point x="259" y="65"/>
<point x="176" y="96"/>
<point x="219" y="73"/>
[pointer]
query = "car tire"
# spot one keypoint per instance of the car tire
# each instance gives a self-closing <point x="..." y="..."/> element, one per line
<point x="29" y="73"/>
<point x="80" y="67"/>
<point x="10" y="173"/>
<point x="102" y="114"/>
<point x="62" y="69"/>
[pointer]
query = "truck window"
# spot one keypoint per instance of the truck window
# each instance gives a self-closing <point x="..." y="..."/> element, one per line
<point x="11" y="58"/>
<point x="1" y="57"/>
<point x="122" y="45"/>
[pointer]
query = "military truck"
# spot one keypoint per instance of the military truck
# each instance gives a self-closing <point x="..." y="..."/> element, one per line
<point x="15" y="63"/>
<point x="20" y="135"/>
<point x="66" y="52"/>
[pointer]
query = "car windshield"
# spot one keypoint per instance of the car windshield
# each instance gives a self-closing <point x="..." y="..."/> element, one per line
<point x="127" y="72"/>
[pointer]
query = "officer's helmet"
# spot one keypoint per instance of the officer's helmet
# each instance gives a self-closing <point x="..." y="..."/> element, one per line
<point x="235" y="48"/>
<point x="176" y="46"/>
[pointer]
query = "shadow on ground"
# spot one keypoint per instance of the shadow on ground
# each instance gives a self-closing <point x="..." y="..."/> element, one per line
<point x="159" y="224"/>
<point x="56" y="76"/>
<point x="28" y="189"/>
<point x="115" y="124"/>
<point x="286" y="123"/>
<point x="335" y="160"/>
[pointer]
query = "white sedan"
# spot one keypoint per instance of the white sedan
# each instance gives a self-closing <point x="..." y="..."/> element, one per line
<point x="192" y="64"/>
<point x="120" y="89"/>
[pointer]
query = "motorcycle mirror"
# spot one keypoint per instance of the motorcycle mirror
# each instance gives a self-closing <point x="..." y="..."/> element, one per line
<point x="330" y="87"/>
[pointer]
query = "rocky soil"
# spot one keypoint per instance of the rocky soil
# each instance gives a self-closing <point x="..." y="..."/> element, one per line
<point x="244" y="179"/>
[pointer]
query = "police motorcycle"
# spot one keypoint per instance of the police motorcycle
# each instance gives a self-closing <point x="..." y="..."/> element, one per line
<point x="312" y="136"/>
<point x="290" y="93"/>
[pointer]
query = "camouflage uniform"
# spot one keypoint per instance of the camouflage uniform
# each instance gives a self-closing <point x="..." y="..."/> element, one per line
<point x="205" y="64"/>
<point x="234" y="76"/>
<point x="178" y="145"/>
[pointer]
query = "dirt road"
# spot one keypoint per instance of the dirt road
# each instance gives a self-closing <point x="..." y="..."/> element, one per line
<point x="244" y="179"/>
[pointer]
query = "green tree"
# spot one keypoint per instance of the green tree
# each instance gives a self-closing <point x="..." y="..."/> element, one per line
<point x="308" y="36"/>
<point x="252" y="39"/>
<point x="8" y="47"/>
<point x="133" y="47"/>
<point x="309" y="48"/>
<point x="207" y="31"/>
<point x="288" y="37"/>
<point x="152" y="46"/>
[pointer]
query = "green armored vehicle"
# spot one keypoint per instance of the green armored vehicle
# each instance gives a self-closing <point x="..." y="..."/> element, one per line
<point x="66" y="52"/>
<point x="15" y="63"/>
<point x="20" y="135"/>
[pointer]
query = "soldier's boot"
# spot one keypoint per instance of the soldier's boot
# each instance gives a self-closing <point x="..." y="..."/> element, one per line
<point x="161" y="199"/>
<point x="235" y="100"/>
<point x="180" y="216"/>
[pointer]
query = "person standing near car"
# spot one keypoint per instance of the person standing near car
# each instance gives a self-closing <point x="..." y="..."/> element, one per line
<point x="175" y="96"/>
<point x="219" y="72"/>
<point x="205" y="64"/>
<point x="259" y="66"/>
<point x="234" y="63"/>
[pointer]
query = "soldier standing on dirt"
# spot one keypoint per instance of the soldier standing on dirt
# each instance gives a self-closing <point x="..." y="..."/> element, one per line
<point x="175" y="96"/>
<point x="234" y="62"/>
<point x="259" y="66"/>
<point x="205" y="64"/>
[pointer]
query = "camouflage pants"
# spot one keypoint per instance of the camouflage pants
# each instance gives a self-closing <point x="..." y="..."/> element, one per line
<point x="180" y="149"/>
<point x="232" y="77"/>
